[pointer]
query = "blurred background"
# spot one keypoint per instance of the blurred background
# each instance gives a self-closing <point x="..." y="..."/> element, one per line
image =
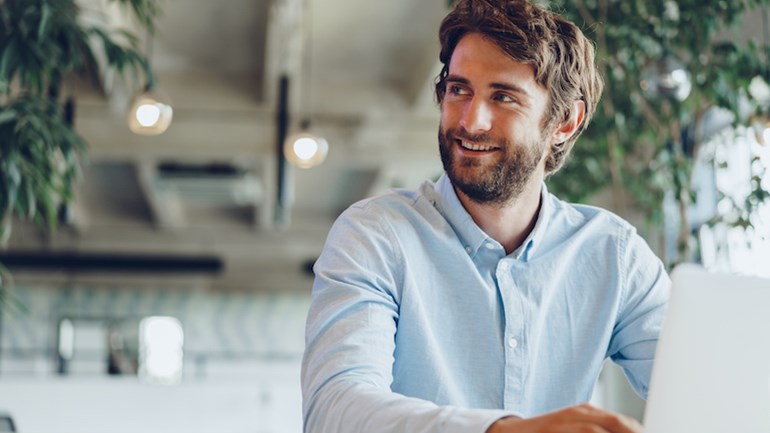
<point x="188" y="229"/>
<point x="172" y="295"/>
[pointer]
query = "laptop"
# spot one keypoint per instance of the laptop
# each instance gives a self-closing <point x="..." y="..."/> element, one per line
<point x="712" y="366"/>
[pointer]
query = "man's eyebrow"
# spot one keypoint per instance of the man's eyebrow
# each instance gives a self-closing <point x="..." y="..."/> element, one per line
<point x="510" y="88"/>
<point x="499" y="86"/>
<point x="457" y="79"/>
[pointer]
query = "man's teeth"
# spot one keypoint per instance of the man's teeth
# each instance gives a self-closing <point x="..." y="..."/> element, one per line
<point x="472" y="146"/>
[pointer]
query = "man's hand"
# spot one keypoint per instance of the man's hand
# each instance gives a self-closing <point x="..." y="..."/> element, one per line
<point x="578" y="419"/>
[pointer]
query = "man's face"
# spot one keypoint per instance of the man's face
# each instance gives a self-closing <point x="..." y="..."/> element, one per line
<point x="490" y="138"/>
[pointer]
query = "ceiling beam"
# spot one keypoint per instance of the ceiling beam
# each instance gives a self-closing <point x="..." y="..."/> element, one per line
<point x="284" y="52"/>
<point x="166" y="207"/>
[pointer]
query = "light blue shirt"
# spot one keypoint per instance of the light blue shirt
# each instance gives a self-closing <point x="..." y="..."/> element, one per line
<point x="420" y="322"/>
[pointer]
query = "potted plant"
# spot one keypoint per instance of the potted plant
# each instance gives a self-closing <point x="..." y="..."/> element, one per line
<point x="42" y="44"/>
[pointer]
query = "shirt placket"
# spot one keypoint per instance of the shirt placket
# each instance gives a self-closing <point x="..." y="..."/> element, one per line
<point x="513" y="336"/>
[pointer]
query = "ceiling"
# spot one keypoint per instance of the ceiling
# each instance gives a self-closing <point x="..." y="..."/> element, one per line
<point x="361" y="72"/>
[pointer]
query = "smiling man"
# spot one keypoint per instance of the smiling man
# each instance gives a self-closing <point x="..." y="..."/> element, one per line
<point x="482" y="303"/>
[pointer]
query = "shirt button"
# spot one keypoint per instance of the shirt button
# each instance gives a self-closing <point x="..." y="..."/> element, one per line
<point x="468" y="250"/>
<point x="490" y="246"/>
<point x="504" y="266"/>
<point x="512" y="343"/>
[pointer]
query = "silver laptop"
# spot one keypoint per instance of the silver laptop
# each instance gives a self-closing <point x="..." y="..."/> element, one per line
<point x="712" y="367"/>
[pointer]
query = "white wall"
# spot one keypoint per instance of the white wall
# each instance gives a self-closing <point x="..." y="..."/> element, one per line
<point x="266" y="401"/>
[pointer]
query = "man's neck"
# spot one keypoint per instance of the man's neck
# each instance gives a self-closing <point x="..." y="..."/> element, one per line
<point x="509" y="223"/>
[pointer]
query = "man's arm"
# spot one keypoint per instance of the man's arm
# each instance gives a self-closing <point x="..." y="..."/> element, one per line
<point x="582" y="418"/>
<point x="646" y="288"/>
<point x="350" y="340"/>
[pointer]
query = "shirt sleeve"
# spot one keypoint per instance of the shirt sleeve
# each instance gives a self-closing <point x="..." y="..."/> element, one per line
<point x="646" y="287"/>
<point x="350" y="340"/>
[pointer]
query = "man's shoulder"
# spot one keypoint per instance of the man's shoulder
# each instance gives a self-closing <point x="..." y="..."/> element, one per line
<point x="404" y="214"/>
<point x="580" y="215"/>
<point x="594" y="233"/>
<point x="391" y="199"/>
<point x="398" y="201"/>
<point x="397" y="206"/>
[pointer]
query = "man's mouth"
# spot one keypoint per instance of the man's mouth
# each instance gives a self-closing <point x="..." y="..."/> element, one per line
<point x="473" y="146"/>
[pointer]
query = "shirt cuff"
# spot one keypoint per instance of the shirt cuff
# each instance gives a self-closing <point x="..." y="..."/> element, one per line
<point x="478" y="420"/>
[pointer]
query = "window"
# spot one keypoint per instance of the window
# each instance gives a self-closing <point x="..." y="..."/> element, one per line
<point x="161" y="341"/>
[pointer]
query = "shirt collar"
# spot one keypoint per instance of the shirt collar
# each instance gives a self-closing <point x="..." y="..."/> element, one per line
<point x="538" y="232"/>
<point x="471" y="235"/>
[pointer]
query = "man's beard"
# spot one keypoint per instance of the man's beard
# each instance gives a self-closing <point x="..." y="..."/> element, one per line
<point x="499" y="183"/>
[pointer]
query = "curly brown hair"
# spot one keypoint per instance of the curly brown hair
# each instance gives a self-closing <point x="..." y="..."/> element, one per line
<point x="561" y="56"/>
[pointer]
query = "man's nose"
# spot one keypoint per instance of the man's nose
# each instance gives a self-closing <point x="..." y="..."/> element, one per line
<point x="477" y="116"/>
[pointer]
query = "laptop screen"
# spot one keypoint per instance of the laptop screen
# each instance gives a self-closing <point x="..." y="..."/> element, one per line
<point x="712" y="366"/>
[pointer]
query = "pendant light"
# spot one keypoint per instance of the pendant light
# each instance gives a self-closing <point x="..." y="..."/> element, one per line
<point x="150" y="112"/>
<point x="666" y="78"/>
<point x="304" y="149"/>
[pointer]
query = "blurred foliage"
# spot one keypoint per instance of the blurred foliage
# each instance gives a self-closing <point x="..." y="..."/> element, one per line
<point x="42" y="43"/>
<point x="639" y="147"/>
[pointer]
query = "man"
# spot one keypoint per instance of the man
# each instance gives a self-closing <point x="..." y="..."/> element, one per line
<point x="482" y="303"/>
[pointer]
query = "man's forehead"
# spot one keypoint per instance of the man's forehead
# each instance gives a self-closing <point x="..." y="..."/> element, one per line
<point x="477" y="57"/>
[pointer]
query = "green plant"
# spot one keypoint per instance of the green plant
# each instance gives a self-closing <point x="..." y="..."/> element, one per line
<point x="641" y="145"/>
<point x="42" y="44"/>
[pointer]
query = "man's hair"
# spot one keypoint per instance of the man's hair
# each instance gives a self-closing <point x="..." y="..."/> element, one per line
<point x="561" y="56"/>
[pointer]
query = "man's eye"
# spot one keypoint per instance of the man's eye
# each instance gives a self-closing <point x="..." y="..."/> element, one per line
<point x="502" y="97"/>
<point x="456" y="90"/>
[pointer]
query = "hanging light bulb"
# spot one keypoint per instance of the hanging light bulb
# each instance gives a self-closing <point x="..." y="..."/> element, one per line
<point x="305" y="150"/>
<point x="666" y="78"/>
<point x="150" y="113"/>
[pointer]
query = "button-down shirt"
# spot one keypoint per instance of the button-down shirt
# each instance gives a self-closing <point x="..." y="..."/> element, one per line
<point x="420" y="322"/>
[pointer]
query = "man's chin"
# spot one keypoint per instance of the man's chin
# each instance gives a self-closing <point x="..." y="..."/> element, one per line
<point x="474" y="187"/>
<point x="481" y="196"/>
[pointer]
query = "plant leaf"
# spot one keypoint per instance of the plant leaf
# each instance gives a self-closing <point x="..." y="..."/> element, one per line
<point x="45" y="18"/>
<point x="7" y="115"/>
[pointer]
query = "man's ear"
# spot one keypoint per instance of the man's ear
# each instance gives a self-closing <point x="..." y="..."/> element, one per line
<point x="567" y="128"/>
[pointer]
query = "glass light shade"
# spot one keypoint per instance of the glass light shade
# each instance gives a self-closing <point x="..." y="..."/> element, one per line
<point x="305" y="150"/>
<point x="149" y="114"/>
<point x="666" y="78"/>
